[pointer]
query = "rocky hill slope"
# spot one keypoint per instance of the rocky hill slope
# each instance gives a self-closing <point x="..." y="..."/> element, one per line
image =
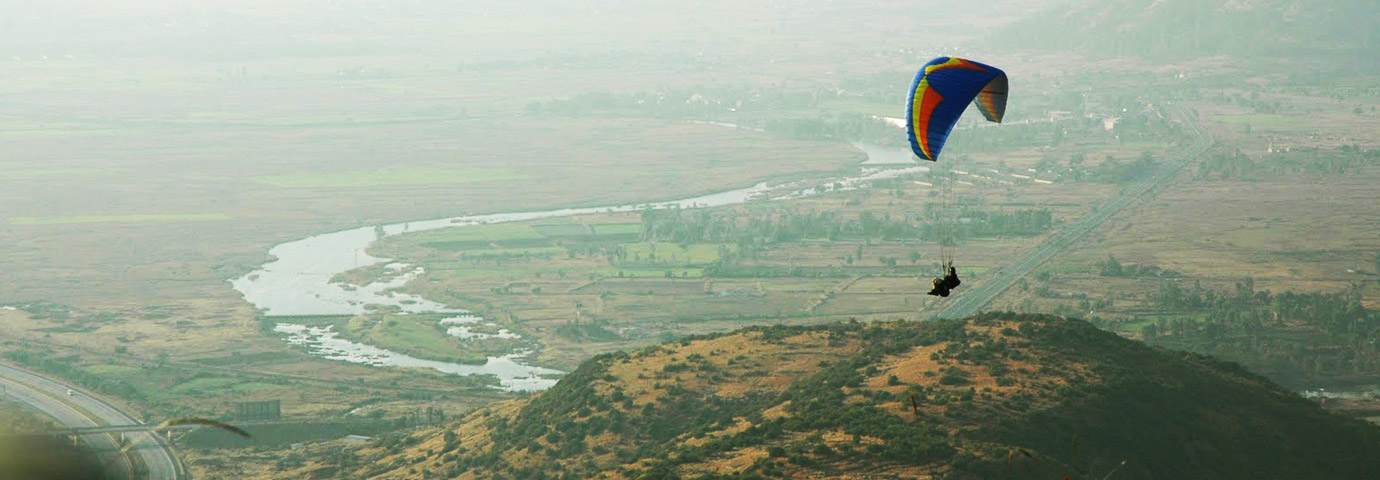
<point x="996" y="396"/>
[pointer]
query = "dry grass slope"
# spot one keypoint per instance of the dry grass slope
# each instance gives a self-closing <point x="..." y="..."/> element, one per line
<point x="951" y="399"/>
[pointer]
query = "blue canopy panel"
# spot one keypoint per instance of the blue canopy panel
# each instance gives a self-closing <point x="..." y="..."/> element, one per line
<point x="941" y="91"/>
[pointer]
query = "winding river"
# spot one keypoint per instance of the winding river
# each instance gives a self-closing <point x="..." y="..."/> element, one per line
<point x="298" y="280"/>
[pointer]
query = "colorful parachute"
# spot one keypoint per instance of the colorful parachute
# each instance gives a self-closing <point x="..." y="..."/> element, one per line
<point x="941" y="91"/>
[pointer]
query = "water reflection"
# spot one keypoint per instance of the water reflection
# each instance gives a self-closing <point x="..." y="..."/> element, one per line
<point x="879" y="155"/>
<point x="1364" y="392"/>
<point x="325" y="342"/>
<point x="464" y="326"/>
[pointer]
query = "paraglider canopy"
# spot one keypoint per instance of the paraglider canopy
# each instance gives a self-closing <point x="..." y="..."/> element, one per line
<point x="942" y="89"/>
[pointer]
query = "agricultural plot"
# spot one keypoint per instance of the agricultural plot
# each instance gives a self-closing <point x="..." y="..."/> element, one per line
<point x="390" y="177"/>
<point x="482" y="236"/>
<point x="643" y="287"/>
<point x="132" y="218"/>
<point x="617" y="229"/>
<point x="672" y="255"/>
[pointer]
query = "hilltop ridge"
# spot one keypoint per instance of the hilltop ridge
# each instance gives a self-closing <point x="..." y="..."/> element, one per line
<point x="995" y="395"/>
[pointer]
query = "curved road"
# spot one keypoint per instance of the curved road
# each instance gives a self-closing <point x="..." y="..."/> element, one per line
<point x="983" y="293"/>
<point x="83" y="410"/>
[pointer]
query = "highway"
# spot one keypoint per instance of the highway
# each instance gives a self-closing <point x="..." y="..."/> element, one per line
<point x="984" y="292"/>
<point x="83" y="410"/>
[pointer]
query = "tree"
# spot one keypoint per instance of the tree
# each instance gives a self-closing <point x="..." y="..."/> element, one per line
<point x="1111" y="267"/>
<point x="1150" y="331"/>
<point x="451" y="441"/>
<point x="1076" y="161"/>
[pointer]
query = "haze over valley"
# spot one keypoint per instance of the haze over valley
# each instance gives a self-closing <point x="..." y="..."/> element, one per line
<point x="626" y="239"/>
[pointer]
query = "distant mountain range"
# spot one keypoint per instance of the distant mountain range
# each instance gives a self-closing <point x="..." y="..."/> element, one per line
<point x="997" y="396"/>
<point x="1169" y="28"/>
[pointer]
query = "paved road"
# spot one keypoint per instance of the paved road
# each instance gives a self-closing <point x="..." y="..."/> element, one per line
<point x="980" y="295"/>
<point x="50" y="397"/>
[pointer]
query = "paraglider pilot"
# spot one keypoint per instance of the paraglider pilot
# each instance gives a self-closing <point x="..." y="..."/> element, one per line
<point x="942" y="285"/>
